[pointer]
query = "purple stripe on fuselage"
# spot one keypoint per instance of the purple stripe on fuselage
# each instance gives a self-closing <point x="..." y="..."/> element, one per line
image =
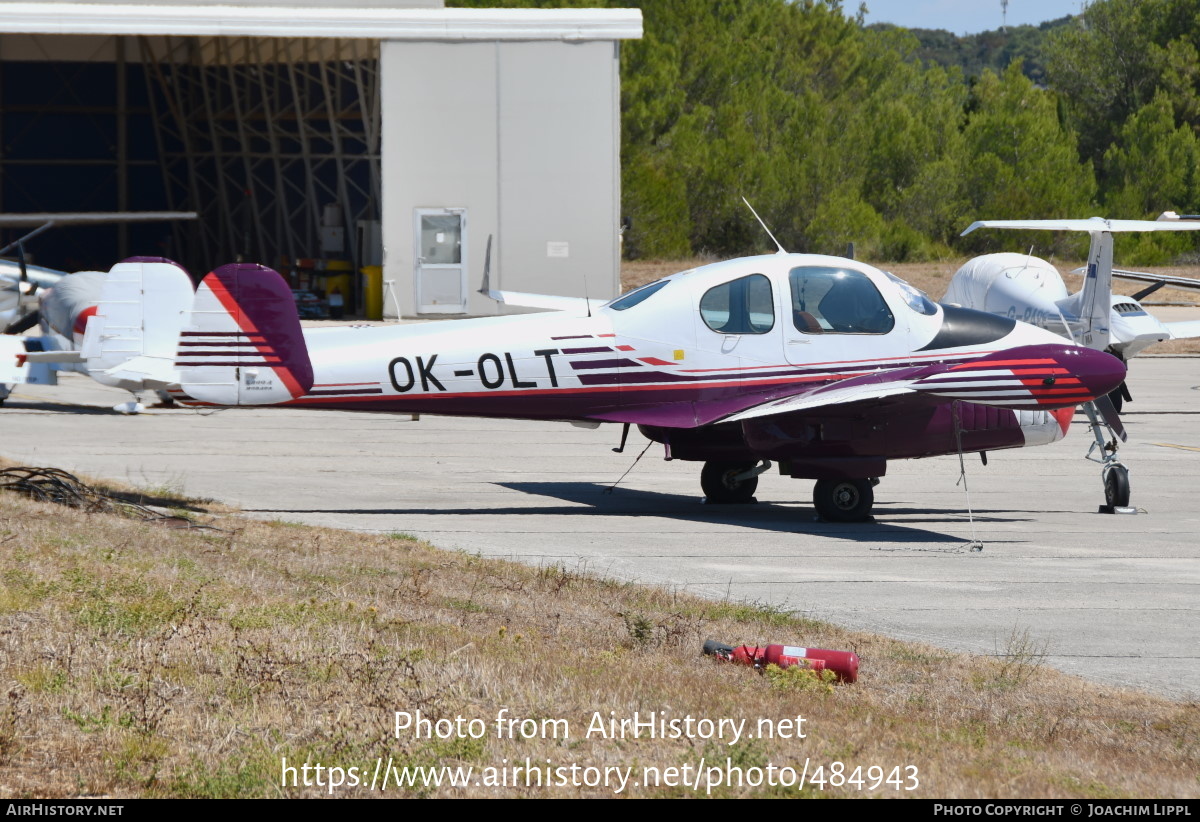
<point x="589" y="364"/>
<point x="594" y="350"/>
<point x="626" y="378"/>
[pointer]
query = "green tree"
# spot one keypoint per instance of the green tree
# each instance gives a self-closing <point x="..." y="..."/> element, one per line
<point x="1108" y="66"/>
<point x="1152" y="165"/>
<point x="1020" y="161"/>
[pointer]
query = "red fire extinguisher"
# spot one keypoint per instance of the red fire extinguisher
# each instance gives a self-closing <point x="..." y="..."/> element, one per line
<point x="844" y="664"/>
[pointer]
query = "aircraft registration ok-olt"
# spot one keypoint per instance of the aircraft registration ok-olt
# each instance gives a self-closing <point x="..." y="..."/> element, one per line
<point x="828" y="366"/>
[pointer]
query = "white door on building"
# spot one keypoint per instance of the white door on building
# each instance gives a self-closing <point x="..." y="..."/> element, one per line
<point x="440" y="243"/>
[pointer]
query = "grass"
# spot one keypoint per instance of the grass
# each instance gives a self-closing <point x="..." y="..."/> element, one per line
<point x="140" y="661"/>
<point x="934" y="278"/>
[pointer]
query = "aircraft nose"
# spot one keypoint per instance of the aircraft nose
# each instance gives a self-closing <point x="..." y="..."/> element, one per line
<point x="1099" y="371"/>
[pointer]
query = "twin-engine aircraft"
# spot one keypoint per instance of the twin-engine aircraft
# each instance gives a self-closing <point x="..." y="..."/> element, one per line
<point x="61" y="304"/>
<point x="130" y="345"/>
<point x="828" y="366"/>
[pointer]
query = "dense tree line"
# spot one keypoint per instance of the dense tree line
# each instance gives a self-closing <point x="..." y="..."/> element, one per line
<point x="975" y="53"/>
<point x="840" y="133"/>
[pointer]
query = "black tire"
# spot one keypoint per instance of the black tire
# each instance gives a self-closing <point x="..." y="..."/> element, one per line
<point x="720" y="487"/>
<point x="1116" y="486"/>
<point x="844" y="500"/>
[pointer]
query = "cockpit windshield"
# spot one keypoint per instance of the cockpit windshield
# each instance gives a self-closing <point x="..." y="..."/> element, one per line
<point x="915" y="297"/>
<point x="637" y="296"/>
<point x="837" y="301"/>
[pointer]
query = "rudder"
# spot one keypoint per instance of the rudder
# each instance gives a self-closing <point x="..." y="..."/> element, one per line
<point x="244" y="344"/>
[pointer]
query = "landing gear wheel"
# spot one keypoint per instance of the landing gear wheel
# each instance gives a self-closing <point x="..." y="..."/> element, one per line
<point x="1116" y="486"/>
<point x="720" y="486"/>
<point x="844" y="500"/>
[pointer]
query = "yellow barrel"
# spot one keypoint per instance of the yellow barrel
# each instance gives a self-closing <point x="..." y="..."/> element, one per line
<point x="373" y="291"/>
<point x="339" y="281"/>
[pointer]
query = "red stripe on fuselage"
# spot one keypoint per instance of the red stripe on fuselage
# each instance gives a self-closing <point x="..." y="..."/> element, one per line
<point x="1002" y="363"/>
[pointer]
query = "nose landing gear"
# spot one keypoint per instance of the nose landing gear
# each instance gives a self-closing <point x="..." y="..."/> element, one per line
<point x="1114" y="472"/>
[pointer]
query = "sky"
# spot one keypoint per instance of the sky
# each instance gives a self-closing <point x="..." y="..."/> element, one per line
<point x="962" y="16"/>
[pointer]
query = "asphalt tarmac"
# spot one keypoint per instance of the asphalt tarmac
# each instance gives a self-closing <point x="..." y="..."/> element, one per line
<point x="1112" y="598"/>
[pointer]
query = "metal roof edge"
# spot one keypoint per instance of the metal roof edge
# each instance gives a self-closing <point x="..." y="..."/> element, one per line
<point x="455" y="25"/>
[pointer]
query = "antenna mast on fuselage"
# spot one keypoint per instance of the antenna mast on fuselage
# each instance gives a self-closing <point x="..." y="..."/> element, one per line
<point x="764" y="225"/>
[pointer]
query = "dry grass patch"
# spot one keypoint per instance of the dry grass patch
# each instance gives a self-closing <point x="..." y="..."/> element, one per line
<point x="141" y="661"/>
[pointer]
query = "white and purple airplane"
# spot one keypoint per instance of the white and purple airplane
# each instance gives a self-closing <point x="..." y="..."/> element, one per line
<point x="827" y="366"/>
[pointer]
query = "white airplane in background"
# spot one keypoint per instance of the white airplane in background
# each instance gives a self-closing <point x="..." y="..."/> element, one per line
<point x="62" y="306"/>
<point x="1027" y="288"/>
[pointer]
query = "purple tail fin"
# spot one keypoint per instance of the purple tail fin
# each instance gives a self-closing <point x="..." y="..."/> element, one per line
<point x="244" y="345"/>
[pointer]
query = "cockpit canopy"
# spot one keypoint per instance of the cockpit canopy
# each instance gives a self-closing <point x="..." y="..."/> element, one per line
<point x="823" y="295"/>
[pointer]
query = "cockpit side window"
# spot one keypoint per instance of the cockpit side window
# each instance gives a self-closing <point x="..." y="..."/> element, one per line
<point x="742" y="306"/>
<point x="636" y="297"/>
<point x="837" y="301"/>
<point x="916" y="298"/>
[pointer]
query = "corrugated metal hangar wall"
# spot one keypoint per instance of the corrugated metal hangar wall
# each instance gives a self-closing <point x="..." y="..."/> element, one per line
<point x="332" y="149"/>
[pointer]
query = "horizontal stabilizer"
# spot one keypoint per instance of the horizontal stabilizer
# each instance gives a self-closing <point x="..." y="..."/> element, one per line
<point x="152" y="372"/>
<point x="1185" y="330"/>
<point x="52" y="356"/>
<point x="1090" y="225"/>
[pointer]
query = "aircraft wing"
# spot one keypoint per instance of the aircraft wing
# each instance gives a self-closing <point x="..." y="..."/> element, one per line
<point x="548" y="302"/>
<point x="848" y="391"/>
<point x="1186" y="283"/>
<point x="1029" y="377"/>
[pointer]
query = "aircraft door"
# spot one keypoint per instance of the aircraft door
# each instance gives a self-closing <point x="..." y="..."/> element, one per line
<point x="739" y="319"/>
<point x="440" y="243"/>
<point x="833" y="314"/>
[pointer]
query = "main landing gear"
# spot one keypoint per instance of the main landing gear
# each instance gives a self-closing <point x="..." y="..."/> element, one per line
<point x="844" y="500"/>
<point x="731" y="483"/>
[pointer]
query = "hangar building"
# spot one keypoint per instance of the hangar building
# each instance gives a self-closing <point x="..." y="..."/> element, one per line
<point x="321" y="138"/>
